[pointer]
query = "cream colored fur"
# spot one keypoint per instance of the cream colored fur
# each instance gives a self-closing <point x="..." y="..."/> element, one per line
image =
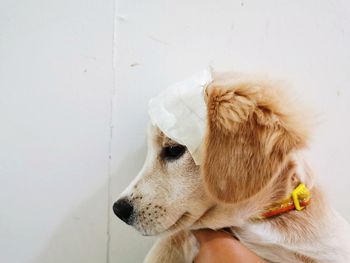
<point x="252" y="159"/>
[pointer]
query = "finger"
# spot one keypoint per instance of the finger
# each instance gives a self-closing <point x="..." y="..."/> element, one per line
<point x="202" y="234"/>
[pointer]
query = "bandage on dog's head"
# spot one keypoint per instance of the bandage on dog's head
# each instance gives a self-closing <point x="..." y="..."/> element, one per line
<point x="180" y="112"/>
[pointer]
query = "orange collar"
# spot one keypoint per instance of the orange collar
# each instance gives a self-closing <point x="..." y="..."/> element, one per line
<point x="298" y="200"/>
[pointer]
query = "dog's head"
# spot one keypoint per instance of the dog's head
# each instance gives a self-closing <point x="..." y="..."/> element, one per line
<point x="251" y="129"/>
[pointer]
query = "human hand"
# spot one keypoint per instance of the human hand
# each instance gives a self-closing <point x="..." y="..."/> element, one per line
<point x="221" y="247"/>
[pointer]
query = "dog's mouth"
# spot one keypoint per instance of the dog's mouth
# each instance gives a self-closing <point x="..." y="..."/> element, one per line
<point x="184" y="221"/>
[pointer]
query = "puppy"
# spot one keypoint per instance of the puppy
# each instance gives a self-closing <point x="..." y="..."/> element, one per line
<point x="248" y="182"/>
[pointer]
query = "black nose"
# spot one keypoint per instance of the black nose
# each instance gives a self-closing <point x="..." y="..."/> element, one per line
<point x="123" y="209"/>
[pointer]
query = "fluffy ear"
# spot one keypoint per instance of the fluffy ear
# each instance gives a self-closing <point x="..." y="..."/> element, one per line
<point x="248" y="135"/>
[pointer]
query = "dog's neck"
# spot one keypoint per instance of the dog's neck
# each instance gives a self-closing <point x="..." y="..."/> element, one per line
<point x="292" y="171"/>
<point x="292" y="234"/>
<point x="293" y="227"/>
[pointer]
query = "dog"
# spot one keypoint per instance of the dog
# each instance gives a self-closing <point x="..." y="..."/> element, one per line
<point x="248" y="182"/>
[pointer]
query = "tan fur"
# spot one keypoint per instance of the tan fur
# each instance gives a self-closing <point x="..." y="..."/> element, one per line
<point x="249" y="134"/>
<point x="181" y="247"/>
<point x="304" y="259"/>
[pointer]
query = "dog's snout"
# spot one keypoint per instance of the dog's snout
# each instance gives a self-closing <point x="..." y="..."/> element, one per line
<point x="123" y="209"/>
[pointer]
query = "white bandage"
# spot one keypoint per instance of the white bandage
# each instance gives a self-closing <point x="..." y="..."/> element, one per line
<point x="181" y="113"/>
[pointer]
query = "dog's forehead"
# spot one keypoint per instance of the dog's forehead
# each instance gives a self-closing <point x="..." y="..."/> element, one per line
<point x="159" y="137"/>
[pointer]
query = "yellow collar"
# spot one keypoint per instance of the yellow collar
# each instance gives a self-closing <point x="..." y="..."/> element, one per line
<point x="298" y="200"/>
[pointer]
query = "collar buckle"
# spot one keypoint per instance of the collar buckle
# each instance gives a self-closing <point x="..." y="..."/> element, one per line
<point x="300" y="196"/>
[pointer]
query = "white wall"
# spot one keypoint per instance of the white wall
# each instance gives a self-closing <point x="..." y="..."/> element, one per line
<point x="57" y="81"/>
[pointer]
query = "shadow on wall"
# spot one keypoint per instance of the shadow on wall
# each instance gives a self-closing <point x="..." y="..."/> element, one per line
<point x="82" y="235"/>
<point x="126" y="244"/>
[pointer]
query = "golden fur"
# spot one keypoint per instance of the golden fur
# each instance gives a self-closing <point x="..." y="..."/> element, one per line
<point x="249" y="133"/>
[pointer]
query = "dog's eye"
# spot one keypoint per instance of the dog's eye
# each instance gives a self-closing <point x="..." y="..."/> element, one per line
<point x="173" y="152"/>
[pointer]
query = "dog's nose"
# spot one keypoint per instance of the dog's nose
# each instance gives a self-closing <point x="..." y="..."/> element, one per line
<point x="123" y="209"/>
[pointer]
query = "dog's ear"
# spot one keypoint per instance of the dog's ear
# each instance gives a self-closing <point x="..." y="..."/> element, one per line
<point x="249" y="133"/>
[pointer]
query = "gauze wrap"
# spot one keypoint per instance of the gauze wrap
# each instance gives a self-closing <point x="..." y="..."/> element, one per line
<point x="181" y="112"/>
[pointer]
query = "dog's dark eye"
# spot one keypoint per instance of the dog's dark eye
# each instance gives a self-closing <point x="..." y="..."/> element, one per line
<point x="173" y="152"/>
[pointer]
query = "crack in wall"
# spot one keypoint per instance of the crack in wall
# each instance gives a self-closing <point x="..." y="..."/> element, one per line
<point x="112" y="99"/>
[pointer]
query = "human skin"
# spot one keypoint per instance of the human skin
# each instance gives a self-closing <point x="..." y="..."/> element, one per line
<point x="221" y="247"/>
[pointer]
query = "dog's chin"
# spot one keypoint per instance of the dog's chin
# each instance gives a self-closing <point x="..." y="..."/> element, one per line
<point x="185" y="221"/>
<point x="153" y="232"/>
